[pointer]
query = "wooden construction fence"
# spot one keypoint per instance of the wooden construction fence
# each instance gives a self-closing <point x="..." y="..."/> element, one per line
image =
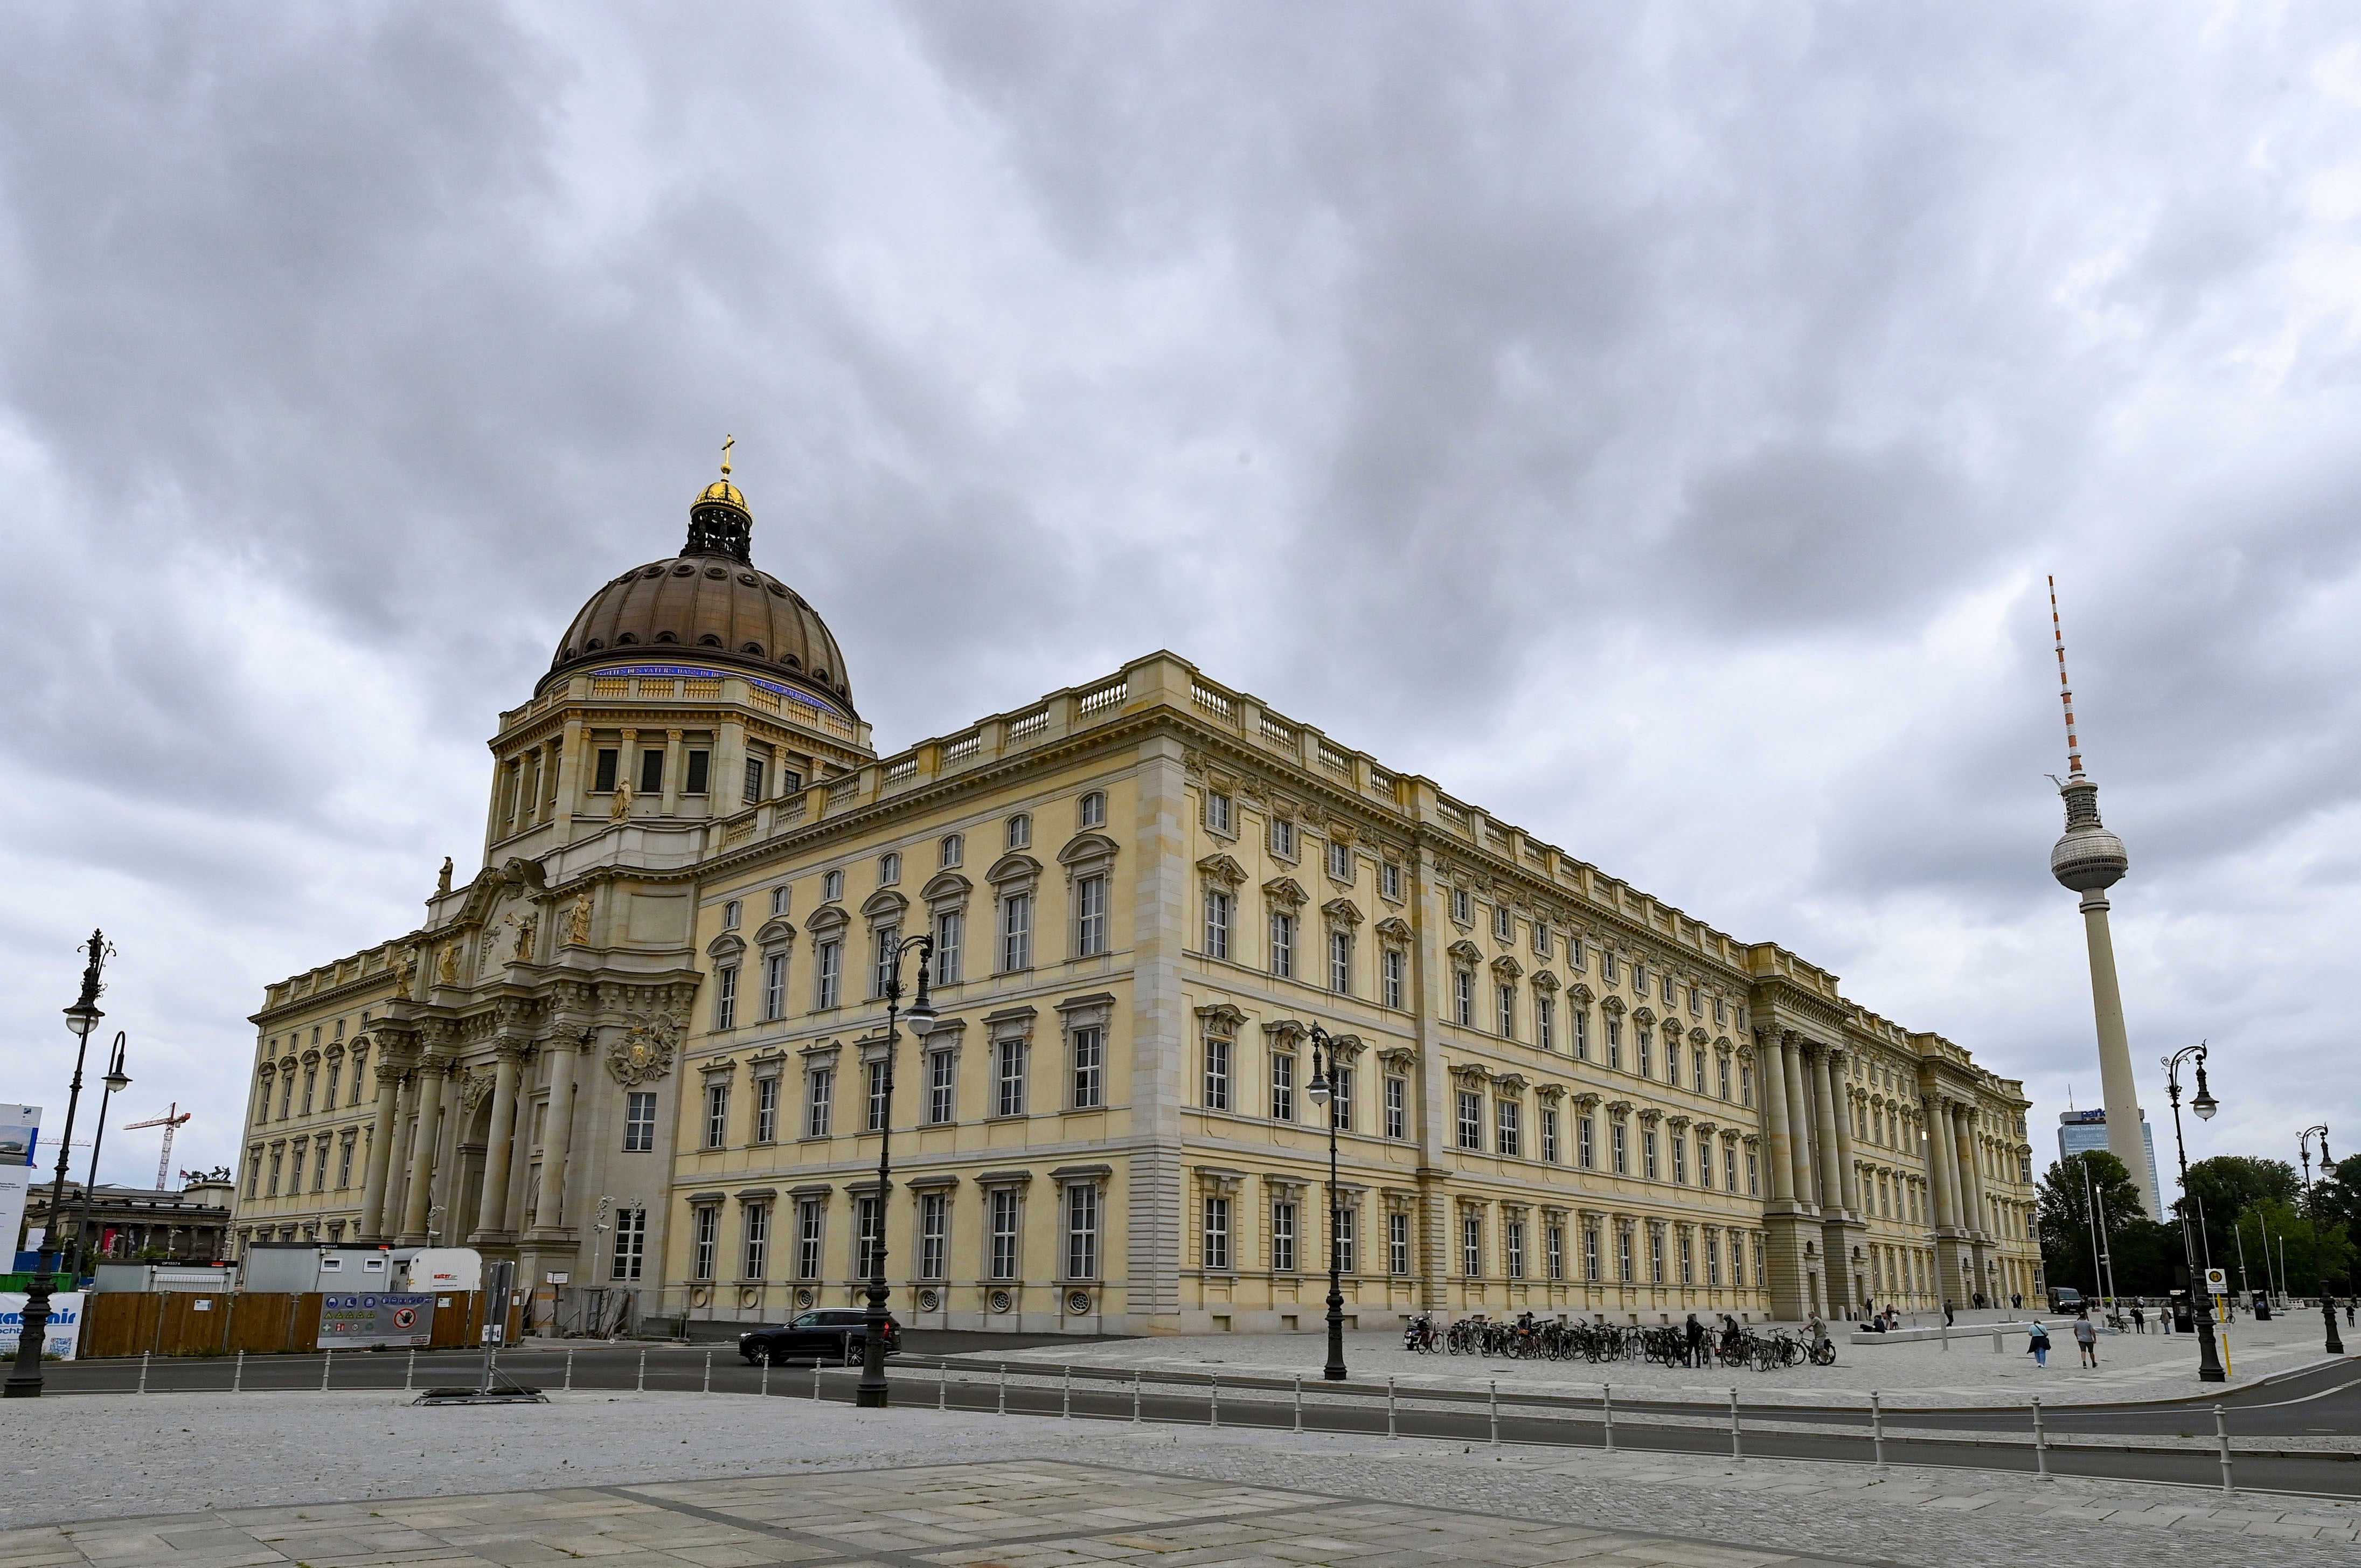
<point x="172" y="1322"/>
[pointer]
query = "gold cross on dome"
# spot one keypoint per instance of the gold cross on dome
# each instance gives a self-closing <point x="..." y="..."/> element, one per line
<point x="727" y="443"/>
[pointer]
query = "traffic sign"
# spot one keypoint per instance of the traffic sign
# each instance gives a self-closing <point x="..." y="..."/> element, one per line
<point x="2217" y="1281"/>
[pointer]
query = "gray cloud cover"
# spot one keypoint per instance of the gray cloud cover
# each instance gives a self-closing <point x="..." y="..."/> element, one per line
<point x="1654" y="424"/>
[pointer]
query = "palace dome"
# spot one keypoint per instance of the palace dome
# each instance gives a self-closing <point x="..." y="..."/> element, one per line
<point x="708" y="605"/>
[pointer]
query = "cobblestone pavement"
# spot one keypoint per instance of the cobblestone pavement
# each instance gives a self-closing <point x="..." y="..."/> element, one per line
<point x="2131" y="1366"/>
<point x="215" y="1465"/>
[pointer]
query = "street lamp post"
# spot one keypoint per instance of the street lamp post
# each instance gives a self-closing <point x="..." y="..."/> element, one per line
<point x="2335" y="1346"/>
<point x="25" y="1381"/>
<point x="2209" y="1362"/>
<point x="117" y="1082"/>
<point x="1322" y="1091"/>
<point x="874" y="1392"/>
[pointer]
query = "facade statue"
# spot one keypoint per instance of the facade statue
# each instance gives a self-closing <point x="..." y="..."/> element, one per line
<point x="621" y="808"/>
<point x="443" y="880"/>
<point x="447" y="973"/>
<point x="525" y="933"/>
<point x="577" y="921"/>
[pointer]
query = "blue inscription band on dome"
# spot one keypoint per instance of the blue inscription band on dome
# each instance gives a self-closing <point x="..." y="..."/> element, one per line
<point x="698" y="672"/>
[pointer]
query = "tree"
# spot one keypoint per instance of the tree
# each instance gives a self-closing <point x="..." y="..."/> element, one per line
<point x="2337" y="1203"/>
<point x="2063" y="1214"/>
<point x="2284" y="1246"/>
<point x="2225" y="1188"/>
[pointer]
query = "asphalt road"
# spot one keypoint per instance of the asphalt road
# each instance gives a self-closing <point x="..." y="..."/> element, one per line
<point x="2322" y="1400"/>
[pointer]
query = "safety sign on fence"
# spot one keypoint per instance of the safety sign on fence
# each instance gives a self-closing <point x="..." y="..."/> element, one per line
<point x="359" y="1322"/>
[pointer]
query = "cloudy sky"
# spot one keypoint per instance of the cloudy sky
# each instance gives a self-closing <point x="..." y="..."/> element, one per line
<point x="1654" y="423"/>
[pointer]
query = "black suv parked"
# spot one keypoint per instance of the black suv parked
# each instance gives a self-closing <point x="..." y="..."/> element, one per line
<point x="826" y="1334"/>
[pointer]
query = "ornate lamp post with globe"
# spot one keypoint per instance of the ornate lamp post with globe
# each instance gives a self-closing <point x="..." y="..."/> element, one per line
<point x="1323" y="1089"/>
<point x="2209" y="1362"/>
<point x="873" y="1394"/>
<point x="25" y="1382"/>
<point x="2334" y="1346"/>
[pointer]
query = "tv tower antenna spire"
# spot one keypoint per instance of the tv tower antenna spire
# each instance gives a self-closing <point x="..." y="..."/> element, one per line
<point x="2090" y="860"/>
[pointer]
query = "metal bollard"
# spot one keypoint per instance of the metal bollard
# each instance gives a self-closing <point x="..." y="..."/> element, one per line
<point x="570" y="1369"/>
<point x="1214" y="1408"/>
<point x="1065" y="1395"/>
<point x="1004" y="1390"/>
<point x="327" y="1361"/>
<point x="1996" y="1341"/>
<point x="643" y="1386"/>
<point x="2041" y="1444"/>
<point x="1492" y="1406"/>
<point x="942" y="1385"/>
<point x="709" y="1373"/>
<point x="237" y="1377"/>
<point x="815" y="1378"/>
<point x="409" y="1369"/>
<point x="2222" y="1438"/>
<point x="1391" y="1430"/>
<point x="1607" y="1405"/>
<point x="1134" y="1396"/>
<point x="143" y="1372"/>
<point x="1737" y="1445"/>
<point x="764" y="1388"/>
<point x="1299" y="1401"/>
<point x="1877" y="1427"/>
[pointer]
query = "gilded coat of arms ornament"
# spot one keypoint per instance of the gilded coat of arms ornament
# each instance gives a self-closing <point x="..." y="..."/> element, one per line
<point x="645" y="1049"/>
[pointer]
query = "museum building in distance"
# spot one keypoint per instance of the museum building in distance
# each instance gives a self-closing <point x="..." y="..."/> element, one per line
<point x="643" y="1051"/>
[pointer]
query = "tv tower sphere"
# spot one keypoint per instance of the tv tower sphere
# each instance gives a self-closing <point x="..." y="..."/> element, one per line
<point x="2086" y="857"/>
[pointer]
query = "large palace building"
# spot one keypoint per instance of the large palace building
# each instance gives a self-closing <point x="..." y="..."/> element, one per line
<point x="645" y="1051"/>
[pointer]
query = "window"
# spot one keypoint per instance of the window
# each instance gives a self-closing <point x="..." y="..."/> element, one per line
<point x="1623" y="1254"/>
<point x="1471" y="1120"/>
<point x="1746" y="1086"/>
<point x="253" y="1169"/>
<point x="725" y="997"/>
<point x="831" y="887"/>
<point x="1340" y="861"/>
<point x="1644" y="1042"/>
<point x="757" y="1225"/>
<point x="700" y="768"/>
<point x="1619" y="1141"/>
<point x="705" y="1235"/>
<point x="286" y="1095"/>
<point x="1722" y="1072"/>
<point x="1396" y="967"/>
<point x="1008" y="1078"/>
<point x="1397" y="1107"/>
<point x="1397" y="1243"/>
<point x="1549" y="1134"/>
<point x="1217" y="1233"/>
<point x="320" y="1165"/>
<point x="1340" y="1102"/>
<point x="950" y="929"/>
<point x="889" y="868"/>
<point x="1082" y="1230"/>
<point x="1471" y="1247"/>
<point x="630" y="1238"/>
<point x="807" y="1239"/>
<point x="1713" y="1264"/>
<point x="941" y="1087"/>
<point x="1089" y="1071"/>
<point x="1554" y="1238"/>
<point x="1016" y="933"/>
<point x="1753" y="1180"/>
<point x="790" y="779"/>
<point x="1463" y="907"/>
<point x="1504" y="924"/>
<point x="1348" y="1243"/>
<point x="819" y="1103"/>
<point x="1001" y="1263"/>
<point x="1217" y="813"/>
<point x="1672" y="1057"/>
<point x="1513" y="1238"/>
<point x="1639" y="980"/>
<point x="1282" y="837"/>
<point x="1340" y="962"/>
<point x="1217" y="923"/>
<point x="1656" y="1254"/>
<point x="1389" y="881"/>
<point x="869" y="1237"/>
<point x="311" y="1085"/>
<point x="774" y="985"/>
<point x="1093" y="814"/>
<point x="1217" y="1073"/>
<point x="879" y="1097"/>
<point x="1590" y="1254"/>
<point x="604" y="781"/>
<point x="1283" y="1087"/>
<point x="1282" y="1237"/>
<point x="652" y="771"/>
<point x="1680" y="1159"/>
<point x="717" y="1115"/>
<point x="753" y="790"/>
<point x="1282" y="944"/>
<point x="950" y="850"/>
<point x="1506" y="1010"/>
<point x="828" y="975"/>
<point x="1508" y="1137"/>
<point x="1720" y="1012"/>
<point x="344" y="1160"/>
<point x="1615" y="1044"/>
<point x="1545" y="1022"/>
<point x="1464" y="996"/>
<point x="779" y="900"/>
<point x="766" y="1109"/>
<point x="1688" y="1267"/>
<point x="934" y="1234"/>
<point x="1585" y="1154"/>
<point x="885" y="957"/>
<point x="640" y="1122"/>
<point x="1648" y="1152"/>
<point x="1020" y="831"/>
<point x="1090" y="917"/>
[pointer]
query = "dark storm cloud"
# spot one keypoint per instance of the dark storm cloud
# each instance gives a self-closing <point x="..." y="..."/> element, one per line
<point x="1657" y="426"/>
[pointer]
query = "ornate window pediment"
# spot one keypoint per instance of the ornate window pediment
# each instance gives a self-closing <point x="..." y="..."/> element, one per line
<point x="1342" y="912"/>
<point x="1399" y="1059"/>
<point x="1087" y="853"/>
<point x="1549" y="1094"/>
<point x="1677" y="1124"/>
<point x="1545" y="980"/>
<point x="1221" y="1019"/>
<point x="1697" y="1036"/>
<point x="1222" y="868"/>
<point x="1580" y="994"/>
<point x="1286" y="891"/>
<point x="1285" y="1033"/>
<point x="1014" y="872"/>
<point x="1466" y="951"/>
<point x="1586" y="1101"/>
<point x="1509" y="1083"/>
<point x="777" y="932"/>
<point x="726" y="948"/>
<point x="946" y="888"/>
<point x="1344" y="1048"/>
<point x="1469" y="1074"/>
<point x="1394" y="928"/>
<point x="828" y="922"/>
<point x="1651" y="1115"/>
<point x="884" y="906"/>
<point x="1611" y="1005"/>
<point x="1506" y="967"/>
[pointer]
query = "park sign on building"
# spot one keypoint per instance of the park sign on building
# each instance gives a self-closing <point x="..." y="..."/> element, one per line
<point x="374" y="1321"/>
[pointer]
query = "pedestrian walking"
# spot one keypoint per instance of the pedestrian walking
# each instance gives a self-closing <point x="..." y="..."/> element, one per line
<point x="1695" y="1331"/>
<point x="1946" y="1312"/>
<point x="2037" y="1342"/>
<point x="2139" y="1320"/>
<point x="2086" y="1340"/>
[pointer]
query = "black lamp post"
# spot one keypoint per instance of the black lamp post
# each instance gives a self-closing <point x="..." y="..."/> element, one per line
<point x="873" y="1394"/>
<point x="2335" y="1346"/>
<point x="117" y="1082"/>
<point x="1322" y="1091"/>
<point x="25" y="1381"/>
<point x="2209" y="1362"/>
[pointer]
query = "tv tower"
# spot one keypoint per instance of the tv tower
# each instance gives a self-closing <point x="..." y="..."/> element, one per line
<point x="2090" y="860"/>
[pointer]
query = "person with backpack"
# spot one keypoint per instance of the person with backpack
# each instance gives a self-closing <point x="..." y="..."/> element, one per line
<point x="2037" y="1342"/>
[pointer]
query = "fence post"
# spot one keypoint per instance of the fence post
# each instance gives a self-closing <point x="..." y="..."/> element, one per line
<point x="643" y="1386"/>
<point x="708" y="1373"/>
<point x="1299" y="1401"/>
<point x="764" y="1388"/>
<point x="814" y="1377"/>
<point x="943" y="1384"/>
<point x="2041" y="1444"/>
<point x="237" y="1378"/>
<point x="1607" y="1405"/>
<point x="327" y="1364"/>
<point x="1391" y="1430"/>
<point x="570" y="1369"/>
<point x="1065" y="1395"/>
<point x="409" y="1369"/>
<point x="143" y="1372"/>
<point x="2222" y="1439"/>
<point x="1214" y="1423"/>
<point x="1134" y="1396"/>
<point x="1492" y="1404"/>
<point x="1737" y="1444"/>
<point x="1004" y="1389"/>
<point x="1877" y="1427"/>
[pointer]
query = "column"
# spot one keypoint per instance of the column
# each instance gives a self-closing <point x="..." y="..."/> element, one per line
<point x="1824" y="1123"/>
<point x="556" y="1138"/>
<point x="1937" y="1135"/>
<point x="1972" y="1183"/>
<point x="421" y="1152"/>
<point x="570" y="762"/>
<point x="381" y="1151"/>
<point x="491" y="1214"/>
<point x="672" y="779"/>
<point x="1850" y="1173"/>
<point x="1799" y="1116"/>
<point x="1775" y="1126"/>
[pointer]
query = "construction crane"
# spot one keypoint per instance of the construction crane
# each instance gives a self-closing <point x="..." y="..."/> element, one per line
<point x="171" y="1121"/>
